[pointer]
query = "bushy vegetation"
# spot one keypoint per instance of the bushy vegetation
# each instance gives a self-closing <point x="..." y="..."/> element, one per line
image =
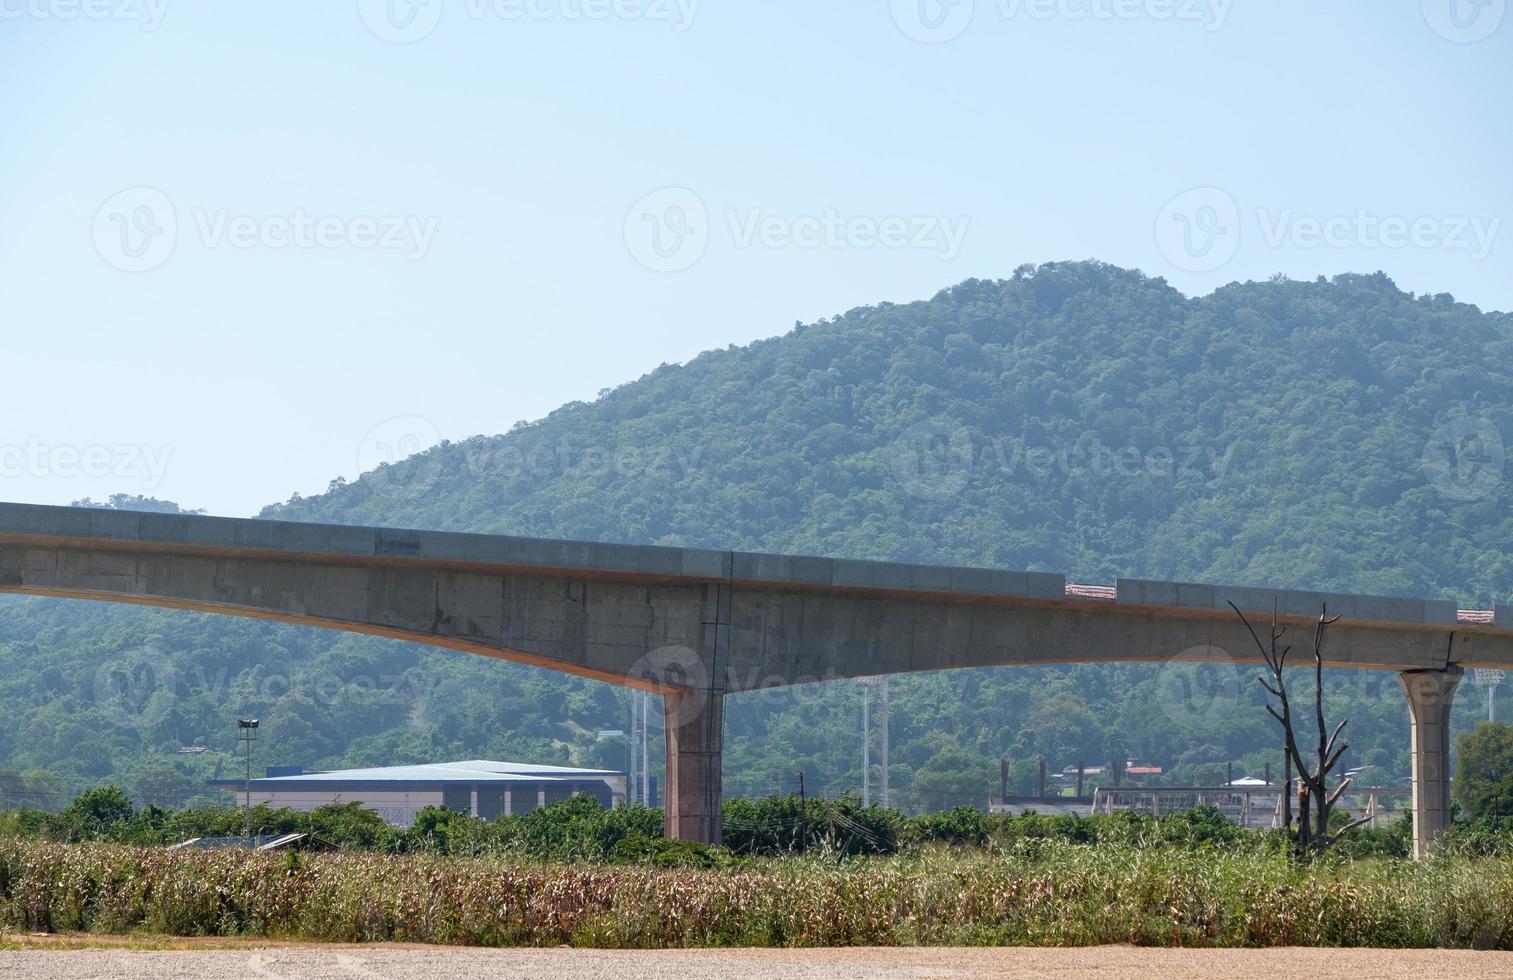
<point x="1279" y="431"/>
<point x="1484" y="776"/>
<point x="580" y="829"/>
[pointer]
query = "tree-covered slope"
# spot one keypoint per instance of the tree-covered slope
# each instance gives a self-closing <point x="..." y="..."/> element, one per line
<point x="1077" y="417"/>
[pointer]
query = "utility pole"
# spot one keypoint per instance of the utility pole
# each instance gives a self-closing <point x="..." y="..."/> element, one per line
<point x="885" y="741"/>
<point x="247" y="732"/>
<point x="645" y="752"/>
<point x="866" y="740"/>
<point x="631" y="751"/>
<point x="803" y="814"/>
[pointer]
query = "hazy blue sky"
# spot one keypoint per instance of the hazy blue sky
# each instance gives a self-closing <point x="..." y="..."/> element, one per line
<point x="247" y="248"/>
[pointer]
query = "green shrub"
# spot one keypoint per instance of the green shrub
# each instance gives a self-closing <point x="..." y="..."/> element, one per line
<point x="663" y="853"/>
<point x="788" y="825"/>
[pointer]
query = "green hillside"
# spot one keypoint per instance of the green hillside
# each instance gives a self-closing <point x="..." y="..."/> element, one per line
<point x="1337" y="434"/>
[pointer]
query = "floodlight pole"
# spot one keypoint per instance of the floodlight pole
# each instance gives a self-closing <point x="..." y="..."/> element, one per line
<point x="247" y="732"/>
<point x="1489" y="678"/>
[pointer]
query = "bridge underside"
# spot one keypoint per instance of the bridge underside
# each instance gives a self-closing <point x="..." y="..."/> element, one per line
<point x="697" y="637"/>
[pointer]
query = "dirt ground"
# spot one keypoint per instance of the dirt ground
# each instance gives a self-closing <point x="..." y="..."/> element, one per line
<point x="171" y="959"/>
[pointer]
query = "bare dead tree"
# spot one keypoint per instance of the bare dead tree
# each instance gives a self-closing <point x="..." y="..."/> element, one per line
<point x="1316" y="801"/>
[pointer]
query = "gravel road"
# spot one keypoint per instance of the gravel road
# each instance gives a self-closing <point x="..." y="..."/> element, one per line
<point x="429" y="963"/>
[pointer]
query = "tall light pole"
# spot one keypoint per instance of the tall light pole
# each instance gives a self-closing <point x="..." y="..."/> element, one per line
<point x="1489" y="678"/>
<point x="247" y="733"/>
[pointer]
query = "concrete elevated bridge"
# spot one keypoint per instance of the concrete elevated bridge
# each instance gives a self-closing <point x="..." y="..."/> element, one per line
<point x="695" y="625"/>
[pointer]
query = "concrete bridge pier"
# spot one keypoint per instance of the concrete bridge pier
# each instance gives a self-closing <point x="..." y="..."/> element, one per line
<point x="691" y="795"/>
<point x="1431" y="693"/>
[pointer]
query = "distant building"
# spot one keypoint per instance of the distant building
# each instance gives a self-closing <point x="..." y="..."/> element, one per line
<point x="477" y="787"/>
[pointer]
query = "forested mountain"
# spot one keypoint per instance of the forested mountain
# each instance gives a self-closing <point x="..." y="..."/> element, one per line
<point x="1337" y="434"/>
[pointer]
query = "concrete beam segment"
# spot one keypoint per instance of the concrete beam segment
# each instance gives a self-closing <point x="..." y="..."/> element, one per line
<point x="1258" y="604"/>
<point x="1431" y="694"/>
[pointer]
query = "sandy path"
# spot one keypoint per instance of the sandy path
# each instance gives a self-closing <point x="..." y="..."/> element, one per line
<point x="428" y="963"/>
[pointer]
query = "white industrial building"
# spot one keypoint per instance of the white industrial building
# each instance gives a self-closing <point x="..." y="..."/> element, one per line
<point x="478" y="787"/>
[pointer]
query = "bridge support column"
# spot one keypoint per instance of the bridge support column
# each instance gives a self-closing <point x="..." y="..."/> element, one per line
<point x="1430" y="696"/>
<point x="691" y="793"/>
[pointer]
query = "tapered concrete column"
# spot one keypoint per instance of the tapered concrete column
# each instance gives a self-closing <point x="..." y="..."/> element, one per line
<point x="691" y="791"/>
<point x="1430" y="695"/>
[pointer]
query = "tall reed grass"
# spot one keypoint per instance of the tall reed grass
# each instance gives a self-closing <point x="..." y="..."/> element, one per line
<point x="1033" y="892"/>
